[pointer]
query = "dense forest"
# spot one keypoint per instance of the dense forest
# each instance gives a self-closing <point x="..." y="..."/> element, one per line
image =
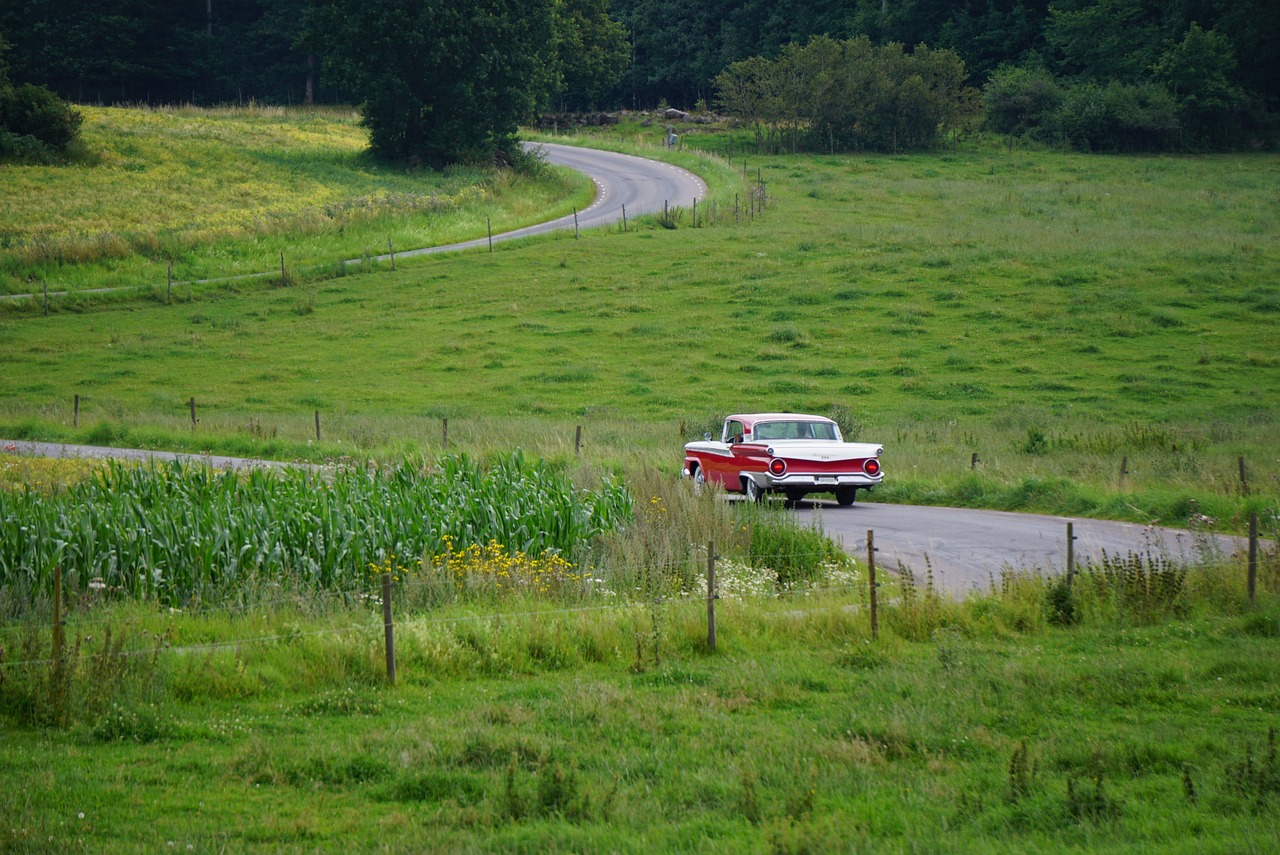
<point x="1175" y="69"/>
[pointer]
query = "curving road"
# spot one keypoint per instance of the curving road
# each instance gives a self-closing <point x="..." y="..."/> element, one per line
<point x="624" y="182"/>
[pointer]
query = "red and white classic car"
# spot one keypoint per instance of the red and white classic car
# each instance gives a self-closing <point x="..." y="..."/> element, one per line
<point x="788" y="453"/>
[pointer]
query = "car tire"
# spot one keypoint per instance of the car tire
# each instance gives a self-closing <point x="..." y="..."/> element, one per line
<point x="794" y="497"/>
<point x="845" y="496"/>
<point x="699" y="480"/>
<point x="753" y="491"/>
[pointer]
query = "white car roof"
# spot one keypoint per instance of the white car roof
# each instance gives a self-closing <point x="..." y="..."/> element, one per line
<point x="777" y="417"/>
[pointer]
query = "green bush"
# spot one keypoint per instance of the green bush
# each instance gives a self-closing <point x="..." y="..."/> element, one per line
<point x="1020" y="100"/>
<point x="795" y="552"/>
<point x="33" y="113"/>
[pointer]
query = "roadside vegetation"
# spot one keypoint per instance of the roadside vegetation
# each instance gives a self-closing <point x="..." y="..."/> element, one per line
<point x="224" y="192"/>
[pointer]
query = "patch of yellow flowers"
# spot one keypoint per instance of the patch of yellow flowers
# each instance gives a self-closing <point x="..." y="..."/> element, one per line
<point x="490" y="566"/>
<point x="43" y="474"/>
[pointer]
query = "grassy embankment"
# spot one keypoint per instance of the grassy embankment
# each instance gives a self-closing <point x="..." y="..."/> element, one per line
<point x="1057" y="314"/>
<point x="223" y="192"/>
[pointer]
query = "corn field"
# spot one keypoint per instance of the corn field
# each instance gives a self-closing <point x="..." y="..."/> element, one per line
<point x="175" y="532"/>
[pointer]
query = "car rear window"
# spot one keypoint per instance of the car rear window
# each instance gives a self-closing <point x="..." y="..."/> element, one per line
<point x="795" y="430"/>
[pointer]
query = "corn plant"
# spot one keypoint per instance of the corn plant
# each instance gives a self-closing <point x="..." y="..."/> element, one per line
<point x="174" y="532"/>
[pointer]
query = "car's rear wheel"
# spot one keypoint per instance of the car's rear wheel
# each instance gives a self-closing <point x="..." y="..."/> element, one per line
<point x="794" y="497"/>
<point x="845" y="496"/>
<point x="752" y="489"/>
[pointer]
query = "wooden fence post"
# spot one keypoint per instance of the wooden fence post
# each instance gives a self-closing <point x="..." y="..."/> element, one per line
<point x="488" y="223"/>
<point x="193" y="413"/>
<point x="577" y="441"/>
<point x="75" y="412"/>
<point x="59" y="669"/>
<point x="973" y="461"/>
<point x="1244" y="481"/>
<point x="1253" y="556"/>
<point x="59" y="632"/>
<point x="46" y="298"/>
<point x="1124" y="469"/>
<point x="283" y="274"/>
<point x="871" y="582"/>
<point x="317" y="425"/>
<point x="168" y="284"/>
<point x="391" y="250"/>
<point x="388" y="629"/>
<point x="695" y="213"/>
<point x="624" y="219"/>
<point x="1071" y="552"/>
<point x="711" y="595"/>
<point x="446" y="433"/>
<point x="575" y="223"/>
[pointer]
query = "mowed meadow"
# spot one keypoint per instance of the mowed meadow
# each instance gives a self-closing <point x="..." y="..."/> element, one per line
<point x="1100" y="331"/>
<point x="505" y="430"/>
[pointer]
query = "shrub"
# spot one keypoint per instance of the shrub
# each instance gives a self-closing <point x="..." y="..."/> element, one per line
<point x="1020" y="100"/>
<point x="1060" y="603"/>
<point x="1116" y="117"/>
<point x="35" y="112"/>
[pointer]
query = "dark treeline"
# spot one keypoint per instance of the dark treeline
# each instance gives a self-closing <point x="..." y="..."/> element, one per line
<point x="1091" y="73"/>
<point x="165" y="51"/>
<point x="234" y="51"/>
<point x="679" y="47"/>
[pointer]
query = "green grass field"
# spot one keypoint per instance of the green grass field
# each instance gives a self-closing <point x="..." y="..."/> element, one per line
<point x="1058" y="314"/>
<point x="1055" y="314"/>
<point x="975" y="727"/>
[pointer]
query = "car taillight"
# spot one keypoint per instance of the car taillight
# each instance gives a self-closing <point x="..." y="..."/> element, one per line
<point x="777" y="466"/>
<point x="871" y="467"/>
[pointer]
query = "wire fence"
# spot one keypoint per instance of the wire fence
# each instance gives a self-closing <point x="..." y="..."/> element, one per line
<point x="382" y="590"/>
<point x="367" y="596"/>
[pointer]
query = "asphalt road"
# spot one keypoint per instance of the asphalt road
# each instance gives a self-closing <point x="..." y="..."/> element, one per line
<point x="969" y="549"/>
<point x="623" y="181"/>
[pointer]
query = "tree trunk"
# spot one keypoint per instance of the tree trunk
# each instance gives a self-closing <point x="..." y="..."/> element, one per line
<point x="309" y="97"/>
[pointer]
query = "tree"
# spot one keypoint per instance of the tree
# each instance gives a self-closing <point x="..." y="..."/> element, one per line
<point x="35" y="124"/>
<point x="1197" y="71"/>
<point x="591" y="53"/>
<point x="1105" y="40"/>
<point x="441" y="81"/>
<point x="1020" y="99"/>
<point x="830" y="95"/>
